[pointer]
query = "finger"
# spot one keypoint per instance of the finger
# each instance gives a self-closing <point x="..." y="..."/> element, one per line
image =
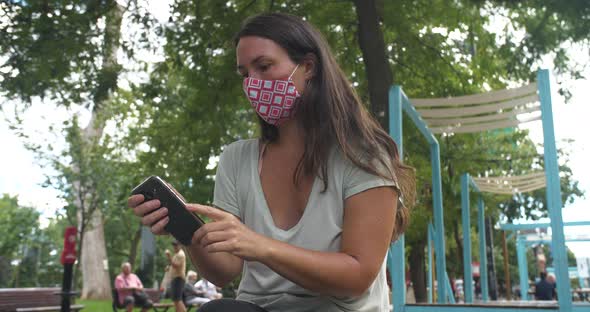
<point x="212" y="227"/>
<point x="146" y="207"/>
<point x="154" y="216"/>
<point x="215" y="237"/>
<point x="158" y="228"/>
<point x="213" y="213"/>
<point x="224" y="246"/>
<point x="135" y="200"/>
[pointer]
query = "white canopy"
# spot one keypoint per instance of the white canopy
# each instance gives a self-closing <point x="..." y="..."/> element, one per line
<point x="480" y="112"/>
<point x="511" y="185"/>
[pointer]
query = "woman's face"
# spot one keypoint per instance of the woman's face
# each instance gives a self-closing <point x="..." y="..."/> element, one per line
<point x="262" y="58"/>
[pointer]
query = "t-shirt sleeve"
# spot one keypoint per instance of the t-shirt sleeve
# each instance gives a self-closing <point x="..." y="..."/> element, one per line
<point x="225" y="193"/>
<point x="357" y="180"/>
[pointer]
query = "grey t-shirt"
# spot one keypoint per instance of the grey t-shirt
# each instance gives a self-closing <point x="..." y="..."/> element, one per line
<point x="238" y="191"/>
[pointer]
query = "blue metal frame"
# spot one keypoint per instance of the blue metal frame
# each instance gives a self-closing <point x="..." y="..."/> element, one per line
<point x="483" y="258"/>
<point x="523" y="270"/>
<point x="471" y="308"/>
<point x="398" y="101"/>
<point x="522" y="243"/>
<point x="429" y="269"/>
<point x="397" y="263"/>
<point x="532" y="226"/>
<point x="449" y="290"/>
<point x="466" y="182"/>
<point x="554" y="193"/>
<point x="465" y="215"/>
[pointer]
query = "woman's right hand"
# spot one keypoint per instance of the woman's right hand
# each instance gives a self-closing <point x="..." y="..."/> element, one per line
<point x="149" y="213"/>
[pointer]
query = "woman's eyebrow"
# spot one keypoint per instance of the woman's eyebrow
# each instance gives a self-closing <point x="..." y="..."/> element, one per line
<point x="254" y="61"/>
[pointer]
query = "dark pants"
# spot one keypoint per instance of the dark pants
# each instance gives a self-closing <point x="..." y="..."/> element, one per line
<point x="177" y="287"/>
<point x="138" y="299"/>
<point x="230" y="305"/>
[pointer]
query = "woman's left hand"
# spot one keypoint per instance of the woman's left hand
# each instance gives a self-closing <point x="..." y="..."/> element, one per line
<point x="226" y="233"/>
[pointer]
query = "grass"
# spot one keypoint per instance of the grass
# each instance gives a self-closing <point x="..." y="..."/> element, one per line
<point x="96" y="305"/>
<point x="102" y="305"/>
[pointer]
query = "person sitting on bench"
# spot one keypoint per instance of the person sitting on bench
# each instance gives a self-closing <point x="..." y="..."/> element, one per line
<point x="192" y="295"/>
<point x="130" y="290"/>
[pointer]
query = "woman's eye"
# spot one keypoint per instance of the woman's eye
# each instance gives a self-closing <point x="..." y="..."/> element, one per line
<point x="264" y="67"/>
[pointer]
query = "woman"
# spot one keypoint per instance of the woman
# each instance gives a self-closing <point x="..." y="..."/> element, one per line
<point x="306" y="213"/>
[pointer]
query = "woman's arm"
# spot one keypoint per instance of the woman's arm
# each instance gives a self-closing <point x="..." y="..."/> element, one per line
<point x="219" y="267"/>
<point x="369" y="219"/>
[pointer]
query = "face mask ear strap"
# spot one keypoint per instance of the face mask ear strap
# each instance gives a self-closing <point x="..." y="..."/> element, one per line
<point x="293" y="72"/>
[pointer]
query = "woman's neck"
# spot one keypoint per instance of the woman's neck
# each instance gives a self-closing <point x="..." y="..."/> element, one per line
<point x="291" y="136"/>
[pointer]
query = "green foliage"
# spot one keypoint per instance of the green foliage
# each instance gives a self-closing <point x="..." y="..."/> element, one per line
<point x="18" y="228"/>
<point x="55" y="49"/>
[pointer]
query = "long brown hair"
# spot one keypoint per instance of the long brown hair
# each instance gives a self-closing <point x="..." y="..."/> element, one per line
<point x="330" y="112"/>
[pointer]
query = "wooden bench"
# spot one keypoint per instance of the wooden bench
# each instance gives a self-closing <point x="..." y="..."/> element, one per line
<point x="32" y="300"/>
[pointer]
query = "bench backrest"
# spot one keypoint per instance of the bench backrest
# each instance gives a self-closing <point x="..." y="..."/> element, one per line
<point x="12" y="298"/>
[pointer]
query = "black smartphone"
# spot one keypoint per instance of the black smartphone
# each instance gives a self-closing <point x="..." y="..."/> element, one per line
<point x="182" y="223"/>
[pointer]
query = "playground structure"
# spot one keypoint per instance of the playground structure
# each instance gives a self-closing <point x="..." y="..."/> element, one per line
<point x="523" y="241"/>
<point x="470" y="114"/>
<point x="504" y="185"/>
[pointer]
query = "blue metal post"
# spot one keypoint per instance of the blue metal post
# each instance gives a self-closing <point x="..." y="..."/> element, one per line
<point x="439" y="225"/>
<point x="554" y="193"/>
<point x="429" y="269"/>
<point x="532" y="226"/>
<point x="437" y="192"/>
<point x="397" y="267"/>
<point x="483" y="258"/>
<point x="467" y="274"/>
<point x="523" y="271"/>
<point x="449" y="289"/>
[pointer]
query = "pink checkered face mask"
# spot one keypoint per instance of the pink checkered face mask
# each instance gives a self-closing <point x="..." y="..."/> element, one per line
<point x="273" y="100"/>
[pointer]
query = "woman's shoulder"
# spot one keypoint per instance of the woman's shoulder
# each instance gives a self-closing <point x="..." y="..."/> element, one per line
<point x="240" y="147"/>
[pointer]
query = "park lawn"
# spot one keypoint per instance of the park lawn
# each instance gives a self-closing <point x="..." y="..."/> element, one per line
<point x="95" y="305"/>
<point x="103" y="305"/>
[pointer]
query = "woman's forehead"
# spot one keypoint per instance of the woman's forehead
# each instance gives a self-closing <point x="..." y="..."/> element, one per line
<point x="251" y="48"/>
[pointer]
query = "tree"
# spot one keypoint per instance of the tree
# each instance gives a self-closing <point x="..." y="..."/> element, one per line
<point x="66" y="52"/>
<point x="18" y="225"/>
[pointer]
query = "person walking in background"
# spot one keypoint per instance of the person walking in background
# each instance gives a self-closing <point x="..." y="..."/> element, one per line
<point x="130" y="290"/>
<point x="176" y="271"/>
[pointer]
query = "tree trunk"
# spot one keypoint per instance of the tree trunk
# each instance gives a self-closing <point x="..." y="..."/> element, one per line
<point x="134" y="245"/>
<point x="417" y="271"/>
<point x="372" y="44"/>
<point x="95" y="276"/>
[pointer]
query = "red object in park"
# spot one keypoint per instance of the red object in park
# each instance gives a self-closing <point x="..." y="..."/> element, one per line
<point x="68" y="255"/>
